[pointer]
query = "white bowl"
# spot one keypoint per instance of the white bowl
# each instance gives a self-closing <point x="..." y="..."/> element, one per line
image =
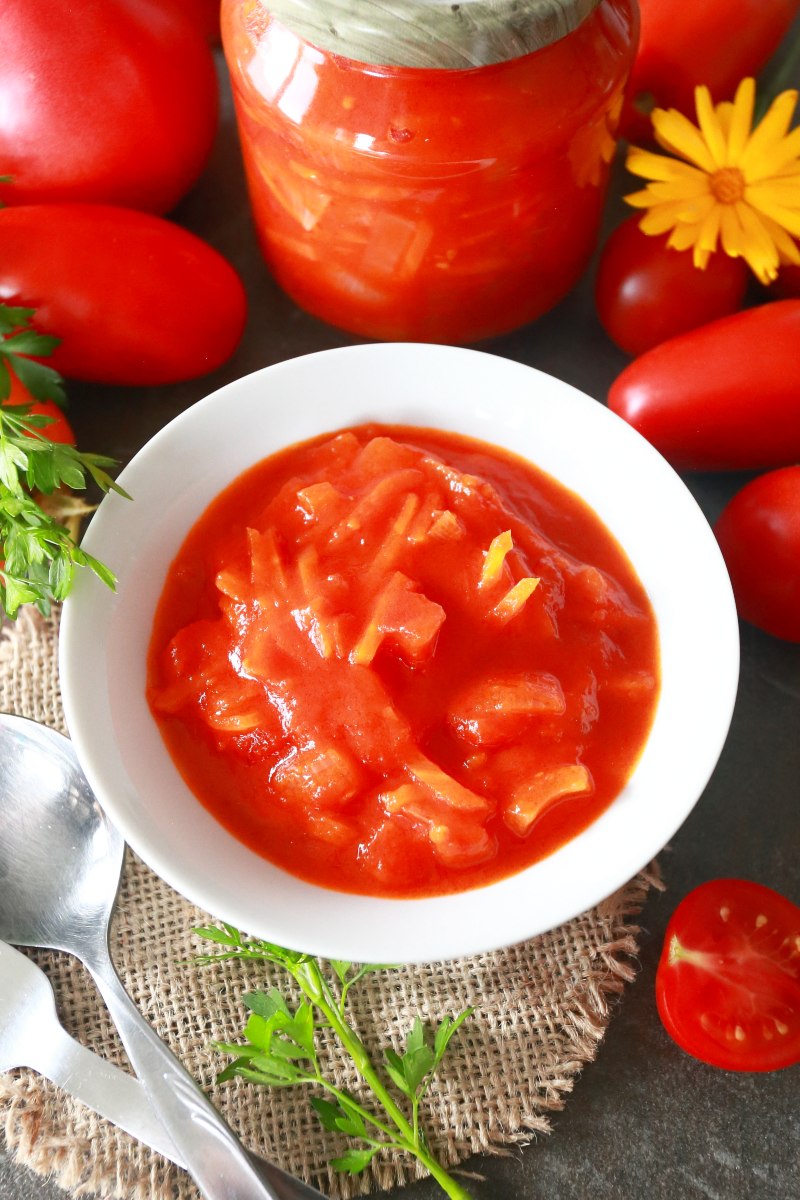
<point x="104" y="640"/>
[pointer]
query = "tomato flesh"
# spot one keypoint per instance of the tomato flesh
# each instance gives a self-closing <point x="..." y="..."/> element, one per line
<point x="728" y="983"/>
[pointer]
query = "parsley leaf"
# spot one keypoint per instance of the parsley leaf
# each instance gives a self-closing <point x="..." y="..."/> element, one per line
<point x="279" y="1050"/>
<point x="18" y="339"/>
<point x="38" y="553"/>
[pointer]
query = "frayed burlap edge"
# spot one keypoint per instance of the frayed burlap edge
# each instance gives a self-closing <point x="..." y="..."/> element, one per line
<point x="541" y="1009"/>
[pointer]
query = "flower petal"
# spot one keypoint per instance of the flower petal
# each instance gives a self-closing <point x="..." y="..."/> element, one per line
<point x="776" y="159"/>
<point x="759" y="248"/>
<point x="770" y="131"/>
<point x="788" y="250"/>
<point x="676" y="133"/>
<point x="730" y="231"/>
<point x="787" y="217"/>
<point x="641" y="199"/>
<point x="708" y="233"/>
<point x="679" y="189"/>
<point x="710" y="127"/>
<point x="739" y="119"/>
<point x="683" y="236"/>
<point x="659" y="167"/>
<point x="780" y="191"/>
<point x="658" y="220"/>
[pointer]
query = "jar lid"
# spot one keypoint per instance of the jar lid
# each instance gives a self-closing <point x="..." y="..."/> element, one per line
<point x="431" y="33"/>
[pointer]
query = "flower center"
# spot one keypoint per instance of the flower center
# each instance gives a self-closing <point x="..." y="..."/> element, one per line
<point x="728" y="185"/>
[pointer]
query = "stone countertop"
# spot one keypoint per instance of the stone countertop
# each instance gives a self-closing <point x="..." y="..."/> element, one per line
<point x="645" y="1120"/>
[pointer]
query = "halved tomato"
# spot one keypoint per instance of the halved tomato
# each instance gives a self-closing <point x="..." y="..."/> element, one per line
<point x="728" y="983"/>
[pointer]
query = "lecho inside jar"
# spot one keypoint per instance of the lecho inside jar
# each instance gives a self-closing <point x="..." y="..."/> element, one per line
<point x="428" y="203"/>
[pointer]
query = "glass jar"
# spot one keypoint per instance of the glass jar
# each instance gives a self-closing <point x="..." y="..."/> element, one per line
<point x="434" y="174"/>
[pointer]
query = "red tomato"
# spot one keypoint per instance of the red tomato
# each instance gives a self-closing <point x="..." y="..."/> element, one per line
<point x="759" y="535"/>
<point x="115" y="102"/>
<point x="134" y="298"/>
<point x="645" y="292"/>
<point x="204" y="13"/>
<point x="713" y="42"/>
<point x="728" y="983"/>
<point x="723" y="396"/>
<point x="59" y="429"/>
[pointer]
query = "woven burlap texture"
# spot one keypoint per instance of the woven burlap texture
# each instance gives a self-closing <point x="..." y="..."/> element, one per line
<point x="541" y="1008"/>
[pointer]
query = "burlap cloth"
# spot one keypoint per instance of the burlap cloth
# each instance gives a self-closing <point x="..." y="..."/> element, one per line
<point x="541" y="1010"/>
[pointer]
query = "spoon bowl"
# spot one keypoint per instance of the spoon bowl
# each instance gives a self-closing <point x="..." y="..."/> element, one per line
<point x="60" y="859"/>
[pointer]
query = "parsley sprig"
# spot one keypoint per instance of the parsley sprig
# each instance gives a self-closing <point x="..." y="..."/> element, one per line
<point x="279" y="1050"/>
<point x="38" y="554"/>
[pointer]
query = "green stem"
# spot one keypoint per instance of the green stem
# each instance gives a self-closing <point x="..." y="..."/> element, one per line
<point x="415" y="1117"/>
<point x="347" y="1101"/>
<point x="313" y="984"/>
<point x="310" y="979"/>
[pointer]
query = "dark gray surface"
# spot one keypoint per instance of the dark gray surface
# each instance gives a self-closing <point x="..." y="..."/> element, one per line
<point x="645" y="1119"/>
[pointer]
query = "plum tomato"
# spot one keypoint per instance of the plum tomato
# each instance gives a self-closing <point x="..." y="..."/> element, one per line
<point x="204" y="13"/>
<point x="759" y="535"/>
<point x="59" y="429"/>
<point x="722" y="396"/>
<point x="135" y="299"/>
<point x="113" y="102"/>
<point x="728" y="983"/>
<point x="646" y="292"/>
<point x="713" y="42"/>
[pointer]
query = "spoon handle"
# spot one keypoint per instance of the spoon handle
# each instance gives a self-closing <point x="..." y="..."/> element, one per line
<point x="99" y="1085"/>
<point x="212" y="1154"/>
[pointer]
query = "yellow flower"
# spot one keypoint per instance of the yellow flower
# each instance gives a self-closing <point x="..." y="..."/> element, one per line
<point x="730" y="183"/>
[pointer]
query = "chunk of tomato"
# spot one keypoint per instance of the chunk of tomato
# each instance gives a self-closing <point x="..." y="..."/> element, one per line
<point x="728" y="983"/>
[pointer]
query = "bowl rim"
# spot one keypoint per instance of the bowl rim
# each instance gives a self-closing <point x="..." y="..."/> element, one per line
<point x="625" y="838"/>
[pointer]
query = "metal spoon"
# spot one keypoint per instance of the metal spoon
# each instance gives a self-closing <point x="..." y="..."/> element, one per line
<point x="31" y="1035"/>
<point x="60" y="864"/>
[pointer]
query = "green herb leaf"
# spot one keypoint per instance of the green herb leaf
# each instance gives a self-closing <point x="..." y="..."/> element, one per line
<point x="394" y="1067"/>
<point x="28" y="341"/>
<point x="280" y="1051"/>
<point x="351" y="1122"/>
<point x="41" y="381"/>
<point x="328" y="1113"/>
<point x="447" y="1028"/>
<point x="341" y="969"/>
<point x="40" y="555"/>
<point x="18" y="340"/>
<point x="354" y="1161"/>
<point x="266" y="1004"/>
<point x="12" y="317"/>
<point x="223" y="937"/>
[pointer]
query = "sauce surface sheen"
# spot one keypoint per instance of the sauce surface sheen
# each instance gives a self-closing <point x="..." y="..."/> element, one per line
<point x="401" y="662"/>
